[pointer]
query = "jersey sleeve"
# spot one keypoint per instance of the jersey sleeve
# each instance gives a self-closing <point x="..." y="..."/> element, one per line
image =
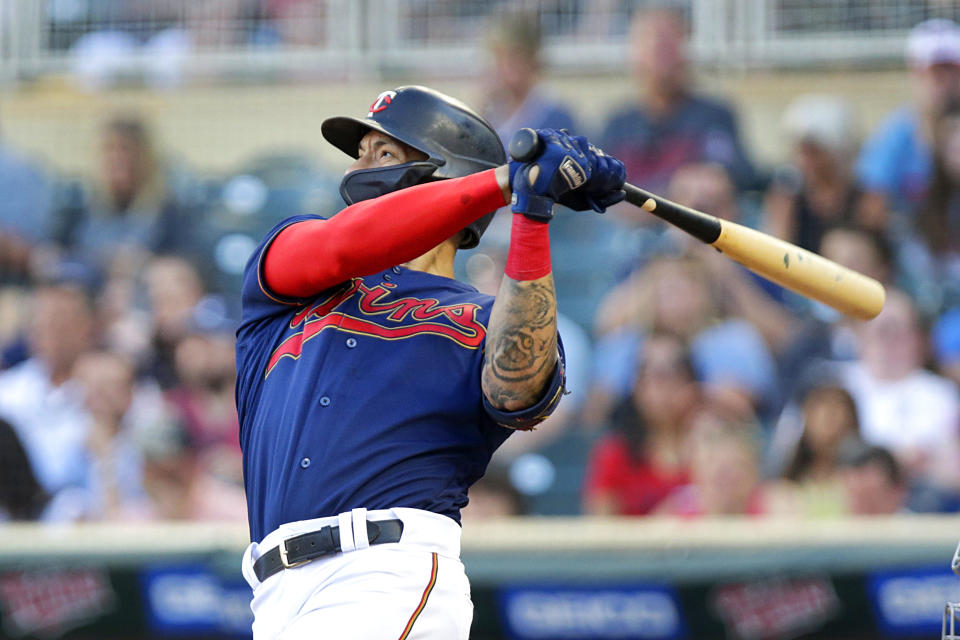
<point x="529" y="418"/>
<point x="257" y="300"/>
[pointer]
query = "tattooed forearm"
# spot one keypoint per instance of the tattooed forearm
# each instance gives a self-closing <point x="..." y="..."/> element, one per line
<point x="521" y="343"/>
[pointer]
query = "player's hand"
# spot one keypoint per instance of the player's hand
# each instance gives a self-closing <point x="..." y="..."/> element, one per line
<point x="560" y="167"/>
<point x="604" y="188"/>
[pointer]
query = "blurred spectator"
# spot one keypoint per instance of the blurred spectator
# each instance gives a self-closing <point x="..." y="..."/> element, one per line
<point x="676" y="295"/>
<point x="826" y="334"/>
<point x="642" y="459"/>
<point x="724" y="452"/>
<point x="298" y="23"/>
<point x="708" y="188"/>
<point x="137" y="206"/>
<point x="145" y="312"/>
<point x="21" y="495"/>
<point x="830" y="420"/>
<point x="492" y="497"/>
<point x="946" y="344"/>
<point x="929" y="257"/>
<point x="174" y="290"/>
<point x="896" y="165"/>
<point x="512" y="96"/>
<point x="903" y="407"/>
<point x="860" y="249"/>
<point x="819" y="188"/>
<point x="874" y="483"/>
<point x="204" y="399"/>
<point x="114" y="479"/>
<point x="38" y="396"/>
<point x="671" y="125"/>
<point x="826" y="422"/>
<point x="25" y="213"/>
<point x="179" y="486"/>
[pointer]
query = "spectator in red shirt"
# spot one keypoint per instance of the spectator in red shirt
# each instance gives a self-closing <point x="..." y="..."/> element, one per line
<point x="642" y="459"/>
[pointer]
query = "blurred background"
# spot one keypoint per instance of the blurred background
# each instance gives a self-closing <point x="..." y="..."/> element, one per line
<point x="732" y="461"/>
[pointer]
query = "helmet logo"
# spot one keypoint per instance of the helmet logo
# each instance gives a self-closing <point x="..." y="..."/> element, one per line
<point x="382" y="102"/>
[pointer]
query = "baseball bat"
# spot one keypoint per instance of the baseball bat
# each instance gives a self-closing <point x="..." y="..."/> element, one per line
<point x="788" y="265"/>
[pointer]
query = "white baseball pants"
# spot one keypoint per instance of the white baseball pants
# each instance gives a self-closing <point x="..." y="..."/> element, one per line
<point x="415" y="589"/>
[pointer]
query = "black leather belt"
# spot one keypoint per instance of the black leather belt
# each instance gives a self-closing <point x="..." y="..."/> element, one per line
<point x="301" y="549"/>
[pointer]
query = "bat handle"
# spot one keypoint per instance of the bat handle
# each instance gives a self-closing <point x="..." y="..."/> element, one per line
<point x="525" y="145"/>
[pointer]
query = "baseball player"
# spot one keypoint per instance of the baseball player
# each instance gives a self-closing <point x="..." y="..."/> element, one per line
<point x="373" y="387"/>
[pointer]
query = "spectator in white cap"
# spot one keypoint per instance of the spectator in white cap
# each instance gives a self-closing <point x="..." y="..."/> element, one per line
<point x="818" y="189"/>
<point x="896" y="164"/>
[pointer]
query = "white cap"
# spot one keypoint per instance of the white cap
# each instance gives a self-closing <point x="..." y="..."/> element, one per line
<point x="825" y="120"/>
<point x="933" y="42"/>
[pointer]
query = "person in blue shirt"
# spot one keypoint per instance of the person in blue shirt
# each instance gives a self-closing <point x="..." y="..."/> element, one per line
<point x="512" y="93"/>
<point x="671" y="125"/>
<point x="895" y="165"/>
<point x="373" y="388"/>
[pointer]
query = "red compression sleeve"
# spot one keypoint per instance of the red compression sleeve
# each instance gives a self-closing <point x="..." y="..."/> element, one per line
<point x="529" y="255"/>
<point x="311" y="256"/>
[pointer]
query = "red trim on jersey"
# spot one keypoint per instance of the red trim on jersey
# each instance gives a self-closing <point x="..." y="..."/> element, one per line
<point x="423" y="600"/>
<point x="529" y="254"/>
<point x="311" y="256"/>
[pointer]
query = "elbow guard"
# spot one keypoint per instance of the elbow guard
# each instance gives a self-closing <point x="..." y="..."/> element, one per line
<point x="527" y="419"/>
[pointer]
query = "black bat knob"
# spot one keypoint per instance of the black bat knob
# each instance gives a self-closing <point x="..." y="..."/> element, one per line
<point x="525" y="145"/>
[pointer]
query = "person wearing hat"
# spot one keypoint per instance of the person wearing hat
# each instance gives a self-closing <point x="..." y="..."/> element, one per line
<point x="513" y="96"/>
<point x="818" y="188"/>
<point x="896" y="165"/>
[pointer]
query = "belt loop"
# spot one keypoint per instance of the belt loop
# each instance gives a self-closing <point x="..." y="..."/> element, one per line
<point x="360" y="539"/>
<point x="345" y="522"/>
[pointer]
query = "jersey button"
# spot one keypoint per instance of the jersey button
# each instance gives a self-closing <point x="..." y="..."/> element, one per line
<point x="396" y="270"/>
<point x="304" y="463"/>
<point x="351" y="342"/>
<point x="387" y="277"/>
<point x="324" y="401"/>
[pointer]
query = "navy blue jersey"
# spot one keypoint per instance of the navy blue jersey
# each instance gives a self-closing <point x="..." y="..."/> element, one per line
<point x="367" y="395"/>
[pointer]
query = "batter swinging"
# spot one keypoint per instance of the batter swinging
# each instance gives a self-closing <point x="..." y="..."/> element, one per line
<point x="373" y="388"/>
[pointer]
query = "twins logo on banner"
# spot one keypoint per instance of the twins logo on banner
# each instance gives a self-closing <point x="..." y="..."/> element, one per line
<point x="778" y="608"/>
<point x="49" y="602"/>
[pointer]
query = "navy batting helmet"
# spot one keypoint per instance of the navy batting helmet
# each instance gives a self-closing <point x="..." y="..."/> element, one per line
<point x="455" y="139"/>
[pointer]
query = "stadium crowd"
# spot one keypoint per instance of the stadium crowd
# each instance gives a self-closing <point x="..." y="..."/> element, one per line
<point x="696" y="388"/>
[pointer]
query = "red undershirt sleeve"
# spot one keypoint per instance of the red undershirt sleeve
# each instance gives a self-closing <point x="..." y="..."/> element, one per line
<point x="311" y="256"/>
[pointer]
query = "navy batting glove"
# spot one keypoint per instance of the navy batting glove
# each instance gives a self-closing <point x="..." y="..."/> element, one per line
<point x="604" y="188"/>
<point x="560" y="168"/>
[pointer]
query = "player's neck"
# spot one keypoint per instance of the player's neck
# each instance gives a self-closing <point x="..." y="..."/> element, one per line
<point x="438" y="261"/>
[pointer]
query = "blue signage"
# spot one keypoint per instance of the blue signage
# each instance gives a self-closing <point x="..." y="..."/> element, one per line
<point x="911" y="602"/>
<point x="190" y="599"/>
<point x="642" y="612"/>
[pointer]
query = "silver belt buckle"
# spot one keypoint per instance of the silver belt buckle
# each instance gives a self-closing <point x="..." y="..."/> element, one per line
<point x="282" y="547"/>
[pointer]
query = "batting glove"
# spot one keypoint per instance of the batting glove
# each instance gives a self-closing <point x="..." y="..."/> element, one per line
<point x="561" y="167"/>
<point x="604" y="188"/>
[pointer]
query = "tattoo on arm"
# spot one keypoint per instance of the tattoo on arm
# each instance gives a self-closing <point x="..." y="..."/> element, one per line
<point x="521" y="343"/>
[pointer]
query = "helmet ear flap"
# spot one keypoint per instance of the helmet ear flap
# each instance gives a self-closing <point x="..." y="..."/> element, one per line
<point x="473" y="231"/>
